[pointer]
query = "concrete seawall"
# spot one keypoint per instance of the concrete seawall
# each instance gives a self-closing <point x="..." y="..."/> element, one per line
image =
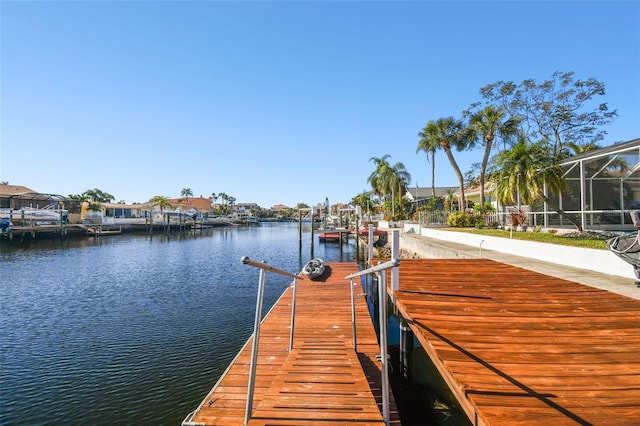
<point x="595" y="260"/>
<point x="596" y="268"/>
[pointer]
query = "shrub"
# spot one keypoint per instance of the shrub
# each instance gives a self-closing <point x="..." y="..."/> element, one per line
<point x="458" y="220"/>
<point x="477" y="220"/>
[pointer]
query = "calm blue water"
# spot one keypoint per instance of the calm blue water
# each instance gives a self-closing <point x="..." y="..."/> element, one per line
<point x="132" y="329"/>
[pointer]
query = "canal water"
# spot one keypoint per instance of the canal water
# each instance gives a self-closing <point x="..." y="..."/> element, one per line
<point x="133" y="329"/>
<point x="136" y="329"/>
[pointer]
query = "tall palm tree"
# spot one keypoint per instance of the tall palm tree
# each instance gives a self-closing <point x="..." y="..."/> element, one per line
<point x="448" y="134"/>
<point x="399" y="179"/>
<point x="387" y="179"/>
<point x="379" y="178"/>
<point x="524" y="170"/>
<point x="186" y="192"/>
<point x="429" y="147"/>
<point x="487" y="124"/>
<point x="214" y="197"/>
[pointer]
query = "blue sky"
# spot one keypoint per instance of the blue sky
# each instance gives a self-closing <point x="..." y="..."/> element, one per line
<point x="277" y="102"/>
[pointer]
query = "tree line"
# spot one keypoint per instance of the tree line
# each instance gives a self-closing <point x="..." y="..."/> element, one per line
<point x="524" y="130"/>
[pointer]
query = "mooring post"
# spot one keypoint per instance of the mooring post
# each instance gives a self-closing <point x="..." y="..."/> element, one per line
<point x="300" y="230"/>
<point x="406" y="350"/>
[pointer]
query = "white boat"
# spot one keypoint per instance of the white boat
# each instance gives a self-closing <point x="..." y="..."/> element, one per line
<point x="314" y="268"/>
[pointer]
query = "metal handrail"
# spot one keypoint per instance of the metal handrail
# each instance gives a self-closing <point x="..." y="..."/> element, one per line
<point x="379" y="267"/>
<point x="256" y="326"/>
<point x="245" y="260"/>
<point x="382" y="314"/>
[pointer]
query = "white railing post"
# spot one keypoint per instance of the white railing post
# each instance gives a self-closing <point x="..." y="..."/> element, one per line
<point x="353" y="317"/>
<point x="382" y="313"/>
<point x="395" y="254"/>
<point x="256" y="326"/>
<point x="254" y="348"/>
<point x="293" y="313"/>
<point x="382" y="309"/>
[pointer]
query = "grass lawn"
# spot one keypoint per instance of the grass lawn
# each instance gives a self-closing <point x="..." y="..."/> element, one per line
<point x="585" y="240"/>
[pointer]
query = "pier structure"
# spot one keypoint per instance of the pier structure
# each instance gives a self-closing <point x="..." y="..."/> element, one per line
<point x="514" y="346"/>
<point x="519" y="347"/>
<point x="324" y="368"/>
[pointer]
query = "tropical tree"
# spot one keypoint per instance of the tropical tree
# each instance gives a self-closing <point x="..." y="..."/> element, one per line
<point x="488" y="124"/>
<point x="93" y="195"/>
<point x="449" y="195"/>
<point x="399" y="180"/>
<point x="574" y="148"/>
<point x="186" y="193"/>
<point x="161" y="201"/>
<point x="379" y="178"/>
<point x="523" y="173"/>
<point x="429" y="147"/>
<point x="556" y="110"/>
<point x="389" y="179"/>
<point x="448" y="134"/>
<point x="364" y="201"/>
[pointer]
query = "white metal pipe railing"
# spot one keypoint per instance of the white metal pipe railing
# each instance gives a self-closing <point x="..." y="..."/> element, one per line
<point x="380" y="269"/>
<point x="256" y="326"/>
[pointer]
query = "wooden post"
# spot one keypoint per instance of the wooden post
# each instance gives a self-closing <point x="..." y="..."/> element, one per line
<point x="357" y="228"/>
<point x="300" y="230"/>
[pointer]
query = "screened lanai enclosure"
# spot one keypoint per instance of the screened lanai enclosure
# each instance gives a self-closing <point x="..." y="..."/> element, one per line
<point x="603" y="186"/>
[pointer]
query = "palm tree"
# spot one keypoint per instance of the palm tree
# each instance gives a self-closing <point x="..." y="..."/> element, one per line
<point x="386" y="179"/>
<point x="448" y="133"/>
<point x="449" y="195"/>
<point x="161" y="201"/>
<point x="487" y="124"/>
<point x="525" y="169"/>
<point x="578" y="148"/>
<point x="379" y="178"/>
<point x="398" y="181"/>
<point x="186" y="192"/>
<point x="429" y="147"/>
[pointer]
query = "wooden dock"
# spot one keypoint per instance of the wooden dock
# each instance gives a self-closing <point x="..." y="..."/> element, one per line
<point x="323" y="380"/>
<point x="517" y="347"/>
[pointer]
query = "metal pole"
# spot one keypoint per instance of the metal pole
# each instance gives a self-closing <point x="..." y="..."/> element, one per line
<point x="382" y="301"/>
<point x="300" y="230"/>
<point x="254" y="348"/>
<point x="293" y="313"/>
<point x="395" y="254"/>
<point x="370" y="252"/>
<point x="353" y="317"/>
<point x="311" y="253"/>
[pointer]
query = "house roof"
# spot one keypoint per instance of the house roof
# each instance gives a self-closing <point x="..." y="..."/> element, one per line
<point x="604" y="152"/>
<point x="10" y="190"/>
<point x="419" y="193"/>
<point x="279" y="207"/>
<point x="200" y="203"/>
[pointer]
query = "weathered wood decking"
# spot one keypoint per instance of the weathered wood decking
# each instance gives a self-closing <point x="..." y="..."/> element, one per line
<point x="323" y="380"/>
<point x="519" y="347"/>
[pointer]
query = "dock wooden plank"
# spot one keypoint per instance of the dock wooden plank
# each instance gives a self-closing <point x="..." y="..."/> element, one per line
<point x="521" y="348"/>
<point x="323" y="379"/>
